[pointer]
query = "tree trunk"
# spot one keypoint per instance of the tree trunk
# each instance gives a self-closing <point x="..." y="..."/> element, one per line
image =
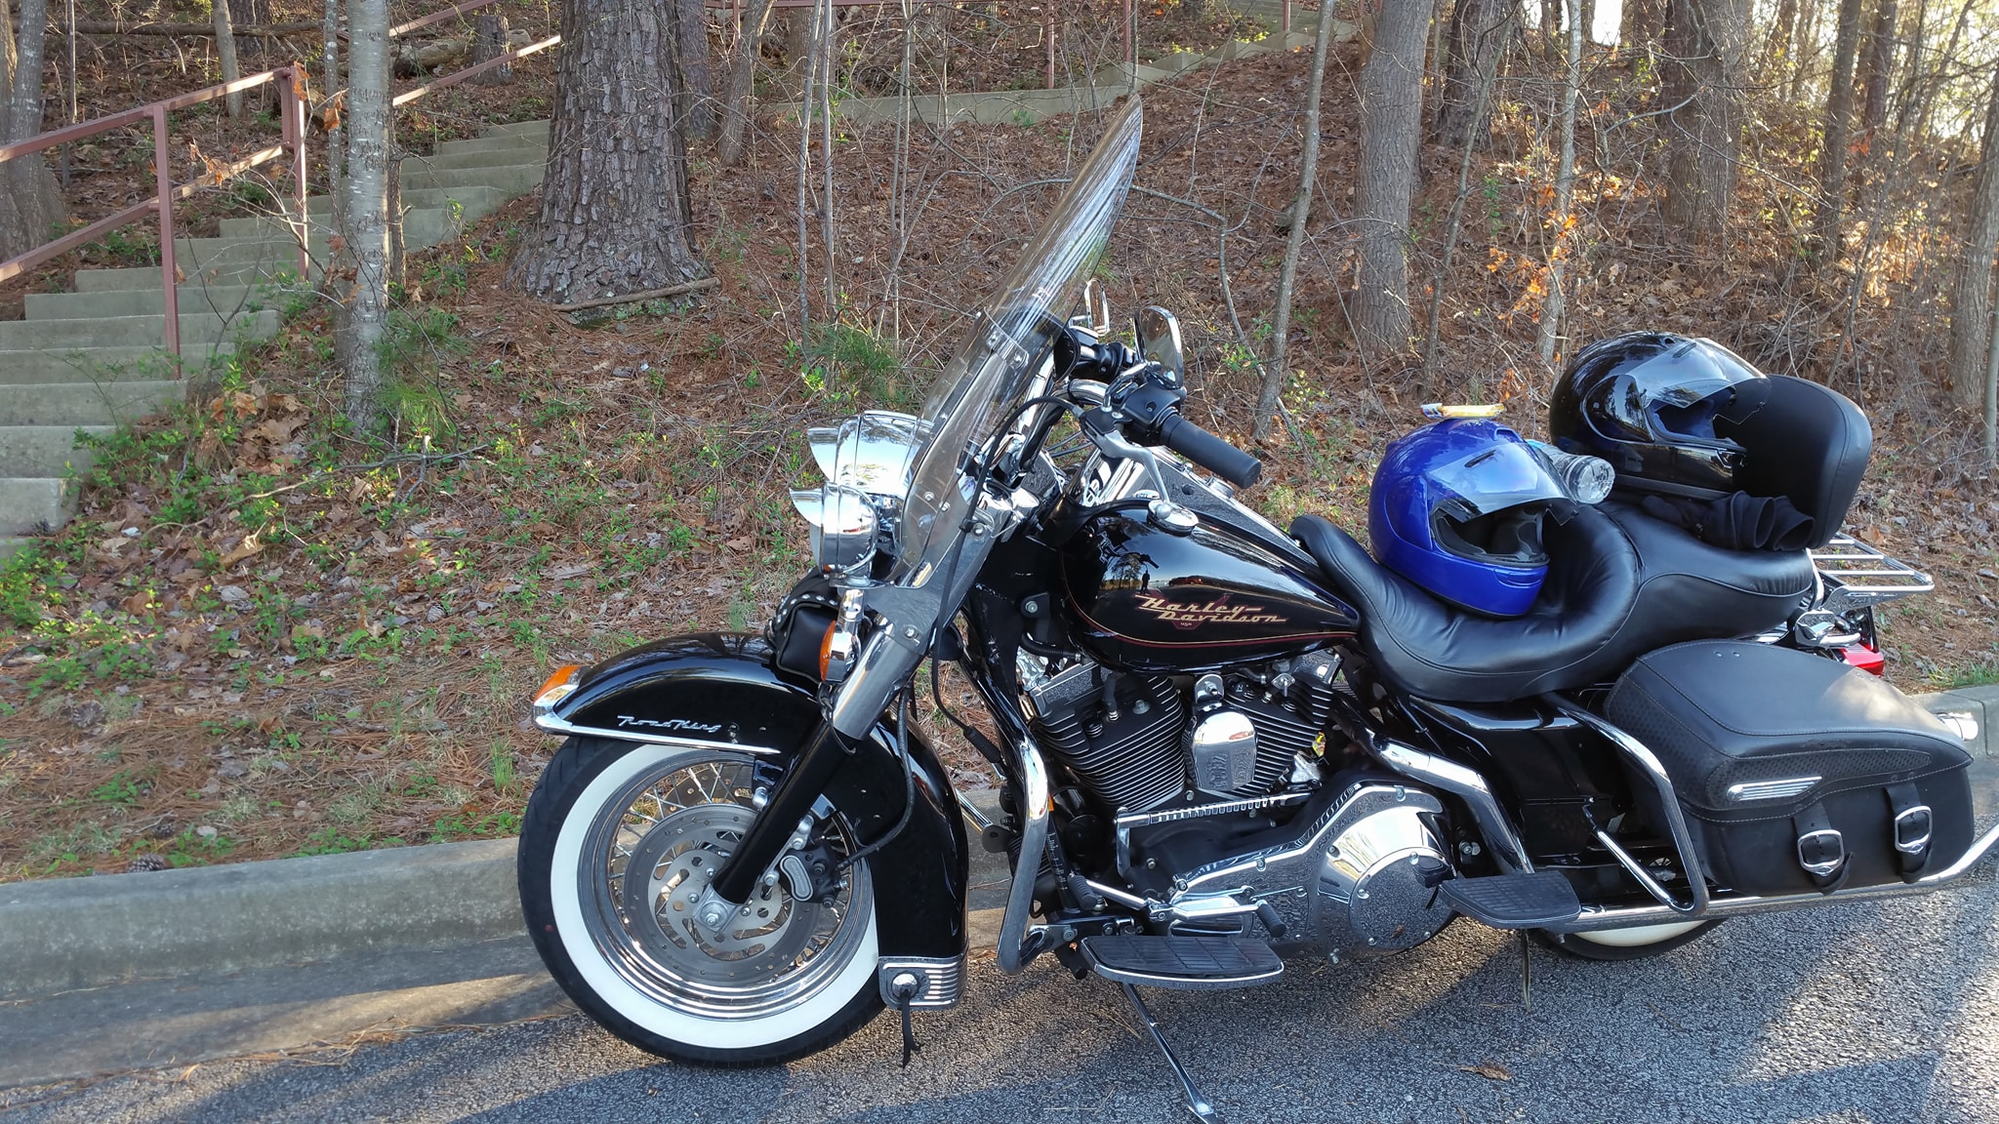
<point x="798" y="39"/>
<point x="225" y="54"/>
<point x="1271" y="397"/>
<point x="1551" y="26"/>
<point x="1778" y="50"/>
<point x="1588" y="21"/>
<point x="31" y="206"/>
<point x="489" y="41"/>
<point x="690" y="60"/>
<point x="1642" y="23"/>
<point x="1556" y="303"/>
<point x="249" y="13"/>
<point x="1838" y="135"/>
<point x="329" y="84"/>
<point x="742" y="78"/>
<point x="1479" y="32"/>
<point x="1391" y="101"/>
<point x="1703" y="83"/>
<point x="615" y="213"/>
<point x="1971" y="304"/>
<point x="368" y="148"/>
<point x="1879" y="67"/>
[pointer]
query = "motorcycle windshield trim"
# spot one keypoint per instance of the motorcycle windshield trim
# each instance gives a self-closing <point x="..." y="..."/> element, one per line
<point x="994" y="364"/>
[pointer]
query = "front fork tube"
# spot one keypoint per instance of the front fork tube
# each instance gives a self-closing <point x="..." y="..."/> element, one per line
<point x="803" y="783"/>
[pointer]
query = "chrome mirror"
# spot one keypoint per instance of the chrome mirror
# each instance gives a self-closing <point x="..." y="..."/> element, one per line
<point x="1159" y="338"/>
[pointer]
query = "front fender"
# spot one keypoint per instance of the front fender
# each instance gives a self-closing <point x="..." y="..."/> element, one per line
<point x="719" y="690"/>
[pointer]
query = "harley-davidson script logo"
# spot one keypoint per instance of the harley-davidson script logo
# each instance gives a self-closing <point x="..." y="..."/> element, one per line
<point x="1217" y="610"/>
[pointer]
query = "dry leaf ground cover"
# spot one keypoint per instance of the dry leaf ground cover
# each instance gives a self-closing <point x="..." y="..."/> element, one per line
<point x="265" y="636"/>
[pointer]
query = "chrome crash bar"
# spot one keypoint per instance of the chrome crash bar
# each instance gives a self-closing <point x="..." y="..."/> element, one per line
<point x="1016" y="946"/>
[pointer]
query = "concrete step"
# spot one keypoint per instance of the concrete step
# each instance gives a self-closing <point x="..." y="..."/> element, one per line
<point x="1120" y="73"/>
<point x="221" y="299"/>
<point x="30" y="505"/>
<point x="475" y="202"/>
<point x="1003" y="107"/>
<point x="197" y="331"/>
<point x="511" y="179"/>
<point x="423" y="227"/>
<point x="46" y="450"/>
<point x="87" y="364"/>
<point x="10" y="545"/>
<point x="537" y="143"/>
<point x="492" y="158"/>
<point x="38" y="405"/>
<point x="213" y="261"/>
<point x="520" y="128"/>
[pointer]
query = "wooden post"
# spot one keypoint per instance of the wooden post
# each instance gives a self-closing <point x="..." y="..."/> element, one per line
<point x="489" y="41"/>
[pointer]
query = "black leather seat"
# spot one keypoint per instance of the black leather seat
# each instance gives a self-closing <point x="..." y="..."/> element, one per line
<point x="1619" y="584"/>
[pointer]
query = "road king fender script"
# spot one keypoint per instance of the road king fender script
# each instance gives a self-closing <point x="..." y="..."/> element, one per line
<point x="719" y="689"/>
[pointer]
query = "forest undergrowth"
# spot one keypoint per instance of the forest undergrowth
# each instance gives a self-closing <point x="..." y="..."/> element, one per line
<point x="264" y="636"/>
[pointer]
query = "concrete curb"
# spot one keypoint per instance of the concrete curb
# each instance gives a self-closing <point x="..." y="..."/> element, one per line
<point x="90" y="932"/>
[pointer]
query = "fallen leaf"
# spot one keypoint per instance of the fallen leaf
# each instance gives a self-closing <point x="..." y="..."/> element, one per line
<point x="1491" y="1071"/>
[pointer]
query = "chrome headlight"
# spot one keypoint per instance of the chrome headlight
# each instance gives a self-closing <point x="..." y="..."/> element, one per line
<point x="867" y="461"/>
<point x="844" y="527"/>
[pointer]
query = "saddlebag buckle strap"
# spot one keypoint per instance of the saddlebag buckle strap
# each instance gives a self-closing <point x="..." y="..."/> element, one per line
<point x="1821" y="849"/>
<point x="1914" y="825"/>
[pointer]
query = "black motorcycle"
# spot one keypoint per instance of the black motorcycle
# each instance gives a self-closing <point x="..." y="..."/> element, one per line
<point x="1220" y="744"/>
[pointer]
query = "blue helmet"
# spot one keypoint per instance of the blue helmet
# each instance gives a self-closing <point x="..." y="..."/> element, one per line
<point x="1457" y="508"/>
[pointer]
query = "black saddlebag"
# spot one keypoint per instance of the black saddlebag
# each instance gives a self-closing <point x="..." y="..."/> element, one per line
<point x="1798" y="773"/>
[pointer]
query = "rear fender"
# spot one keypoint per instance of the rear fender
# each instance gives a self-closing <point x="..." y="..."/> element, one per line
<point x="719" y="690"/>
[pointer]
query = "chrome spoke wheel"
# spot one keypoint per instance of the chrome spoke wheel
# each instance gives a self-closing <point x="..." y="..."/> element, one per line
<point x="657" y="842"/>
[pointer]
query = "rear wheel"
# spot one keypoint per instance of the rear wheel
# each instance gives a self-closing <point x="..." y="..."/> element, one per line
<point x="1626" y="944"/>
<point x="618" y="841"/>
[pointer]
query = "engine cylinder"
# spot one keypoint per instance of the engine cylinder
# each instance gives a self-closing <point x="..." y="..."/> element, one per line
<point x="1123" y="744"/>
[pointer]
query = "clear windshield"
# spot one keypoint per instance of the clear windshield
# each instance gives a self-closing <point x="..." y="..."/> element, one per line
<point x="993" y="366"/>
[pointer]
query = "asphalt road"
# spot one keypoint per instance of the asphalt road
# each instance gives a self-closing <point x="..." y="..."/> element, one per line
<point x="1885" y="1012"/>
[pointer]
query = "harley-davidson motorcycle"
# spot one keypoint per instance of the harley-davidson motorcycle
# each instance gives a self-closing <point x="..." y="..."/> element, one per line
<point x="1605" y="722"/>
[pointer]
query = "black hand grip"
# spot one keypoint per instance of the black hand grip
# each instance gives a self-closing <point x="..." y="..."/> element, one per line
<point x="1209" y="451"/>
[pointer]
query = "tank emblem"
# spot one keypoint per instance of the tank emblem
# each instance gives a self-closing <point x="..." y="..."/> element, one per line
<point x="1217" y="610"/>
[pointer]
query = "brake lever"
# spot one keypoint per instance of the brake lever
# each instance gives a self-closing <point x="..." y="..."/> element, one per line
<point x="1159" y="507"/>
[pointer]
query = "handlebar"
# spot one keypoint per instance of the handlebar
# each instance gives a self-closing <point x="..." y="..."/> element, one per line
<point x="1209" y="451"/>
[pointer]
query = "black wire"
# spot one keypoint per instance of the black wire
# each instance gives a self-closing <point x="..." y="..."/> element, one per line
<point x="908" y="789"/>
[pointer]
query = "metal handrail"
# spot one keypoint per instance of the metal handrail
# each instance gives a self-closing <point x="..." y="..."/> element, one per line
<point x="290" y="81"/>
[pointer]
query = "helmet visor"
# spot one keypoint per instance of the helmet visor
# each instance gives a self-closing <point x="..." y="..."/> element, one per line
<point x="1685" y="390"/>
<point x="1502" y="475"/>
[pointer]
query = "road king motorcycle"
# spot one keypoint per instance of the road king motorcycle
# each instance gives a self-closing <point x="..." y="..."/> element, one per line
<point x="1611" y="723"/>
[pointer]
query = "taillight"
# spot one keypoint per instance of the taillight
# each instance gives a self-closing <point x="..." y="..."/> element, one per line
<point x="1865" y="658"/>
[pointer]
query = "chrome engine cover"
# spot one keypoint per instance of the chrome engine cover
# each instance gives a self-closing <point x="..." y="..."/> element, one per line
<point x="1359" y="881"/>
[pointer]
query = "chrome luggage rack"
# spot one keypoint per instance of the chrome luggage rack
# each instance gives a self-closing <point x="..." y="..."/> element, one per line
<point x="1857" y="573"/>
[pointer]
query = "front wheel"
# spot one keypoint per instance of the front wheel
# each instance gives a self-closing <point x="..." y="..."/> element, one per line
<point x="619" y="839"/>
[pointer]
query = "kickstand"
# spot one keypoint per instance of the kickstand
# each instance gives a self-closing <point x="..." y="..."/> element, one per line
<point x="1196" y="1104"/>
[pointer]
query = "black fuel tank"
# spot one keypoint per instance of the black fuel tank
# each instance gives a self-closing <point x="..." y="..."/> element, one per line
<point x="1148" y="600"/>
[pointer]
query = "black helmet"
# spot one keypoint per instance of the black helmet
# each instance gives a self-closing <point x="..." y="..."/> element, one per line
<point x="1648" y="402"/>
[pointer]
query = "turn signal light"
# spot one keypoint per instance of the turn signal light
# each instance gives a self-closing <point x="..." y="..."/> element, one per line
<point x="555" y="687"/>
<point x="826" y="649"/>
